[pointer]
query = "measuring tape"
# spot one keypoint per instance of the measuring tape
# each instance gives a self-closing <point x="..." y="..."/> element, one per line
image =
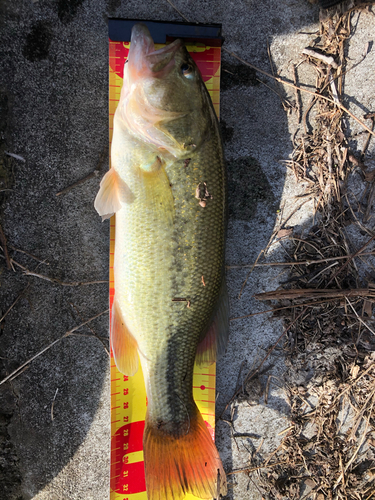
<point x="128" y="394"/>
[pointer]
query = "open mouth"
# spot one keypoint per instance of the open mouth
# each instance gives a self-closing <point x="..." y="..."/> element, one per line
<point x="147" y="60"/>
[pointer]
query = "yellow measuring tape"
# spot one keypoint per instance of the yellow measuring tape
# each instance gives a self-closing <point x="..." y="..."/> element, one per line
<point x="128" y="394"/>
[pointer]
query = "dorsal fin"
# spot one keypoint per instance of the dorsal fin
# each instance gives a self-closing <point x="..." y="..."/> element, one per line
<point x="213" y="343"/>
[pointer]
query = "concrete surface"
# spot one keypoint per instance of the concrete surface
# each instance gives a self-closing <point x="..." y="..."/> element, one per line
<point x="53" y="97"/>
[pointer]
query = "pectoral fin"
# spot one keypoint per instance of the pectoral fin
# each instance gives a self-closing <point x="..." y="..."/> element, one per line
<point x="213" y="343"/>
<point x="111" y="192"/>
<point x="124" y="345"/>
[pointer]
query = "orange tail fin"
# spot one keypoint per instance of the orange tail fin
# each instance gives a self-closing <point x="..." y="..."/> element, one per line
<point x="177" y="465"/>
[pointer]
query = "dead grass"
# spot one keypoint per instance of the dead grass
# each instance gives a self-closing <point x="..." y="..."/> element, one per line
<point x="328" y="451"/>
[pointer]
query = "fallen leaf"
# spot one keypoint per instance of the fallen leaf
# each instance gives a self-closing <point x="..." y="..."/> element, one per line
<point x="367" y="308"/>
<point x="354" y="371"/>
<point x="310" y="483"/>
<point x="283" y="233"/>
<point x="356" y="162"/>
<point x="370" y="176"/>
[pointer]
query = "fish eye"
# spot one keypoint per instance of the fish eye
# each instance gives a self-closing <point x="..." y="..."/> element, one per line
<point x="187" y="70"/>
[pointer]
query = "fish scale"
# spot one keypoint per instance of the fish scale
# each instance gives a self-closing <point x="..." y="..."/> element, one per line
<point x="167" y="186"/>
<point x="161" y="257"/>
<point x="164" y="324"/>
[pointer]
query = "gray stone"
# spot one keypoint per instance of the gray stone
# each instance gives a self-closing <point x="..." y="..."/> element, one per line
<point x="54" y="102"/>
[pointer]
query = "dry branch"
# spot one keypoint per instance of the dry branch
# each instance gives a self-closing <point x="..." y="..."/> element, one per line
<point x="94" y="173"/>
<point x="66" y="334"/>
<point x="14" y="303"/>
<point x="62" y="283"/>
<point x="312" y="293"/>
<point x="5" y="249"/>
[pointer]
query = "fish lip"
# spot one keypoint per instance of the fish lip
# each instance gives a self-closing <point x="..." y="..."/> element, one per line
<point x="148" y="60"/>
<point x="140" y="31"/>
<point x="161" y="61"/>
<point x="172" y="47"/>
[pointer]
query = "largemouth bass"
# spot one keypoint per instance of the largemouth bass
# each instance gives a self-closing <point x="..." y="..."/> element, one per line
<point x="167" y="187"/>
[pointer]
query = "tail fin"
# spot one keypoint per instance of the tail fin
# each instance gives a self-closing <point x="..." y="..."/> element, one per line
<point x="177" y="465"/>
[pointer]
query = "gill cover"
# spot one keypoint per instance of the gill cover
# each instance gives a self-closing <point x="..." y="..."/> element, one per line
<point x="161" y="101"/>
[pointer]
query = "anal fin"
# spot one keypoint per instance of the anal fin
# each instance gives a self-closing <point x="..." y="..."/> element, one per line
<point x="214" y="341"/>
<point x="124" y="345"/>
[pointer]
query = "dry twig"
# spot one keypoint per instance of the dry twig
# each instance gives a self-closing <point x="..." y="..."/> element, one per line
<point x="66" y="334"/>
<point x="22" y="294"/>
<point x="5" y="249"/>
<point x="94" y="173"/>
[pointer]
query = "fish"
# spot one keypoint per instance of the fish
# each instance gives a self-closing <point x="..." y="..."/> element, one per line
<point x="167" y="187"/>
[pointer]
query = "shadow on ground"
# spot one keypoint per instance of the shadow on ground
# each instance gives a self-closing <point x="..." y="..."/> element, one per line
<point x="54" y="96"/>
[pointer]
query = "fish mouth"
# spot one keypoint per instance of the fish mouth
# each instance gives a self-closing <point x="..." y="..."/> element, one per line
<point x="144" y="60"/>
